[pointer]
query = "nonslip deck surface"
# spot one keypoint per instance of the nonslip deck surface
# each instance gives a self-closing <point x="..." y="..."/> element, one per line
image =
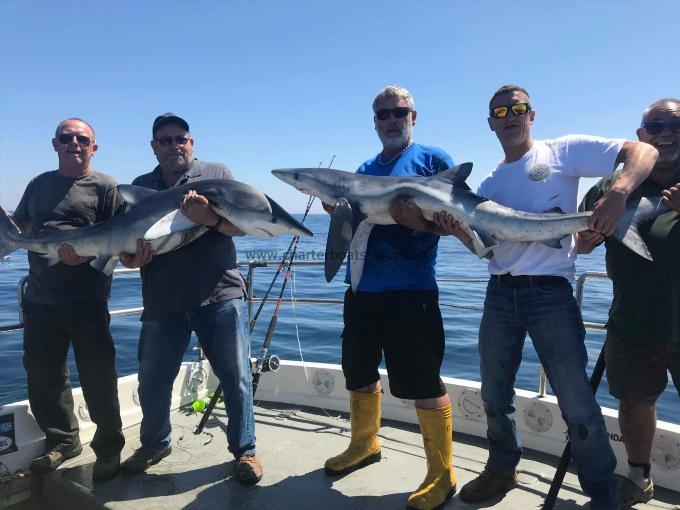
<point x="292" y="445"/>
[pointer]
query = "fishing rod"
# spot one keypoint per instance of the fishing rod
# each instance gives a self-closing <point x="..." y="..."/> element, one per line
<point x="265" y="363"/>
<point x="563" y="465"/>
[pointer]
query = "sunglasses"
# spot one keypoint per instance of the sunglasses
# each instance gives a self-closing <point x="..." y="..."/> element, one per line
<point x="167" y="140"/>
<point x="500" y="112"/>
<point x="399" y="113"/>
<point x="654" y="127"/>
<point x="66" y="138"/>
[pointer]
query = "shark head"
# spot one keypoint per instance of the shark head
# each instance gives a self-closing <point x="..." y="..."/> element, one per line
<point x="249" y="209"/>
<point x="325" y="183"/>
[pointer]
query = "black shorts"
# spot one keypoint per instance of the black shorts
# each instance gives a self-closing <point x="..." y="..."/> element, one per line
<point x="638" y="371"/>
<point x="405" y="325"/>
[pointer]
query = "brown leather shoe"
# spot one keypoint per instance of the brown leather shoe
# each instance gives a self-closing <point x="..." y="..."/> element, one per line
<point x="54" y="458"/>
<point x="488" y="485"/>
<point x="248" y="469"/>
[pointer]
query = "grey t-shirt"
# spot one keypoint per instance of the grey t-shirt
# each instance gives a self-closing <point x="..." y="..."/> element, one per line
<point x="200" y="273"/>
<point x="55" y="202"/>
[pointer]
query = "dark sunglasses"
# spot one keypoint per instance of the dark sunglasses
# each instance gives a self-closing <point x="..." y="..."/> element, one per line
<point x="66" y="138"/>
<point x="654" y="127"/>
<point x="399" y="113"/>
<point x="500" y="112"/>
<point x="167" y="140"/>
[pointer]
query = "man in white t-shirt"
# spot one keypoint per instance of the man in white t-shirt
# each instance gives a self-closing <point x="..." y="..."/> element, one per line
<point x="530" y="291"/>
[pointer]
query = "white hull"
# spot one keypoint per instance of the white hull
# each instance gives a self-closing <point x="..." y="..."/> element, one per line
<point x="322" y="385"/>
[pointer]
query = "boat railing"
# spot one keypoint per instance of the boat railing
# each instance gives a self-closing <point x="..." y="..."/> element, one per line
<point x="253" y="265"/>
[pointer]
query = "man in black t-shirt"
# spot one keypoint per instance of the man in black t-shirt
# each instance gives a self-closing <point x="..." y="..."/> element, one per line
<point x="195" y="288"/>
<point x="643" y="331"/>
<point x="67" y="304"/>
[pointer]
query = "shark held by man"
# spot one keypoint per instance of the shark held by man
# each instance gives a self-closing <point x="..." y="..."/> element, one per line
<point x="155" y="217"/>
<point x="362" y="201"/>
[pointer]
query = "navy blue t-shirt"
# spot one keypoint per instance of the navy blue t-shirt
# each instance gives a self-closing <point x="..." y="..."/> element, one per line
<point x="398" y="258"/>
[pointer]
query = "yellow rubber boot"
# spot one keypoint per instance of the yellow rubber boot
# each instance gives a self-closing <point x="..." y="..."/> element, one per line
<point x="364" y="447"/>
<point x="440" y="482"/>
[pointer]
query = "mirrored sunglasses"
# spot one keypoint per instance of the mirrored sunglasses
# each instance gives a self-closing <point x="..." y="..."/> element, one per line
<point x="500" y="112"/>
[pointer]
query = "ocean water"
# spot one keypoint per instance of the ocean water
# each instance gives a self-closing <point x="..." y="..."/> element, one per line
<point x="312" y="332"/>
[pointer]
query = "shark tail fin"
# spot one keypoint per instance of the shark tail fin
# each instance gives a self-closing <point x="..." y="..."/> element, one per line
<point x="7" y="229"/>
<point x="633" y="241"/>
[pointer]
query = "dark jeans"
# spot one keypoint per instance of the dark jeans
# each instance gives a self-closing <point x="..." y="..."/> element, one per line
<point x="550" y="315"/>
<point x="48" y="332"/>
<point x="222" y="331"/>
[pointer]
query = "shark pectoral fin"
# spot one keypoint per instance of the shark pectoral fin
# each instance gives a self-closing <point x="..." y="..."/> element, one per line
<point x="105" y="263"/>
<point x="51" y="258"/>
<point x="554" y="243"/>
<point x="357" y="253"/>
<point x="339" y="238"/>
<point x="172" y="222"/>
<point x="479" y="247"/>
<point x="279" y="213"/>
<point x="133" y="195"/>
<point x="633" y="241"/>
<point x="486" y="239"/>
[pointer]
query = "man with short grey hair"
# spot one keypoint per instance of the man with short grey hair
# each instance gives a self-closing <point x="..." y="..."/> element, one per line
<point x="395" y="311"/>
<point x="207" y="298"/>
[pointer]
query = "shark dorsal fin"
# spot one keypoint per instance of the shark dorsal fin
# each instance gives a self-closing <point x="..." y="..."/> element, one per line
<point x="134" y="195"/>
<point x="456" y="175"/>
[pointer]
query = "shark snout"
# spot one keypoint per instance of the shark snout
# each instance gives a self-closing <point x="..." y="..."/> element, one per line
<point x="287" y="176"/>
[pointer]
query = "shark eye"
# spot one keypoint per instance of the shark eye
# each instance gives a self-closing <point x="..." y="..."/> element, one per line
<point x="274" y="219"/>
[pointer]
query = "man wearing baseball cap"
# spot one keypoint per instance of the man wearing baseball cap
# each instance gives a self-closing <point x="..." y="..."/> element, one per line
<point x="181" y="297"/>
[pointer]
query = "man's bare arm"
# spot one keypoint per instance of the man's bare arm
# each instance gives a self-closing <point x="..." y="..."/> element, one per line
<point x="197" y="208"/>
<point x="638" y="161"/>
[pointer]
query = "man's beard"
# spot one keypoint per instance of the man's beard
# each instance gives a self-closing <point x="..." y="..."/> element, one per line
<point x="392" y="142"/>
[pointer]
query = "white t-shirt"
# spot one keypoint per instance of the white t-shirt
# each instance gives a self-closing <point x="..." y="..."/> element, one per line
<point x="546" y="177"/>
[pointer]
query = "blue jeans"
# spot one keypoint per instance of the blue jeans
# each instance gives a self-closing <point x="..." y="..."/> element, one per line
<point x="550" y="315"/>
<point x="222" y="331"/>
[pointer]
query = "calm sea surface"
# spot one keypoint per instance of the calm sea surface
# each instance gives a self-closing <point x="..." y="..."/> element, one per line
<point x="319" y="326"/>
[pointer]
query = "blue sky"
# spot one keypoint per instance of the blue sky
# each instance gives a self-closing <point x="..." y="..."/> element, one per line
<point x="290" y="83"/>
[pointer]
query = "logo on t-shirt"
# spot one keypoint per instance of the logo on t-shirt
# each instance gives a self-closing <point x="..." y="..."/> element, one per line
<point x="539" y="172"/>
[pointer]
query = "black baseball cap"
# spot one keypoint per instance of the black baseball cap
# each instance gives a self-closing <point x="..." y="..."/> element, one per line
<point x="168" y="118"/>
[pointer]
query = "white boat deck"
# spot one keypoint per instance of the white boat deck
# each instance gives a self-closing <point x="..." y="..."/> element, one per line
<point x="293" y="442"/>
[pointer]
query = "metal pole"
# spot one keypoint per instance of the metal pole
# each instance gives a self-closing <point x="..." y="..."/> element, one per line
<point x="542" y="384"/>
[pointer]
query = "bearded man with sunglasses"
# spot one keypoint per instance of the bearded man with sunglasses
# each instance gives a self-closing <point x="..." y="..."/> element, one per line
<point x="530" y="291"/>
<point x="197" y="288"/>
<point x="643" y="331"/>
<point x="396" y="312"/>
<point x="67" y="304"/>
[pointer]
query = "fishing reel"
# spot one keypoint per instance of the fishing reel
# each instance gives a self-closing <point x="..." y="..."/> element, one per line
<point x="271" y="363"/>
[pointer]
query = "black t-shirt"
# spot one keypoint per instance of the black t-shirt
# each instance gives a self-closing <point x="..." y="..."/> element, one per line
<point x="646" y="304"/>
<point x="202" y="272"/>
<point x="55" y="202"/>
